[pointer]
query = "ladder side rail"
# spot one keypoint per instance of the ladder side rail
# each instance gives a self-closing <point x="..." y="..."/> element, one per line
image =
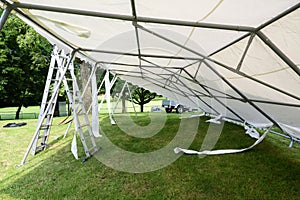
<point x="82" y="107"/>
<point x="72" y="103"/>
<point x="118" y="100"/>
<point x="49" y="118"/>
<point x="89" y="79"/>
<point x="47" y="86"/>
<point x="131" y="98"/>
<point x="75" y="117"/>
<point x="61" y="62"/>
<point x="49" y="114"/>
<point x="46" y="110"/>
<point x="113" y="81"/>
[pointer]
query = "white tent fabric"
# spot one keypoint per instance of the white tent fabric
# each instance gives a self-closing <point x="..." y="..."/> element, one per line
<point x="235" y="58"/>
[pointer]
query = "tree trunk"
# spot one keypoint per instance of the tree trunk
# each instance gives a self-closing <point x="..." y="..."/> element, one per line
<point x="142" y="107"/>
<point x="124" y="102"/>
<point x="18" y="111"/>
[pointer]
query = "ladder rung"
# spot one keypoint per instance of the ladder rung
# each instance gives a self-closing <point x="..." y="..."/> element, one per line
<point x="43" y="136"/>
<point x="95" y="149"/>
<point x="83" y="126"/>
<point x="62" y="56"/>
<point x="44" y="126"/>
<point x="41" y="147"/>
<point x="77" y="101"/>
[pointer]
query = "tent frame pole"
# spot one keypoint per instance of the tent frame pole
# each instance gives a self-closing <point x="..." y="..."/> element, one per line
<point x="256" y="80"/>
<point x="14" y="6"/>
<point x="198" y="54"/>
<point x="272" y="46"/>
<point x="191" y="80"/>
<point x="134" y="18"/>
<point x="217" y="99"/>
<point x="209" y="59"/>
<point x="242" y="95"/>
<point x="136" y="34"/>
<point x="245" y="52"/>
<point x="178" y="89"/>
<point x="278" y="52"/>
<point x="259" y="34"/>
<point x="193" y="92"/>
<point x="5" y="15"/>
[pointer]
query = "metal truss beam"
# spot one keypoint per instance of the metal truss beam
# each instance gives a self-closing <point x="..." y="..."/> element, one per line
<point x="15" y="8"/>
<point x="202" y="86"/>
<point x="220" y="102"/>
<point x="279" y="53"/>
<point x="192" y="80"/>
<point x="133" y="18"/>
<point x="273" y="47"/>
<point x="5" y="15"/>
<point x="242" y="74"/>
<point x="274" y="19"/>
<point x="136" y="55"/>
<point x="242" y="95"/>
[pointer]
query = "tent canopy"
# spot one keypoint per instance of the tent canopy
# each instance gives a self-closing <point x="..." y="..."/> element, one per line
<point x="238" y="58"/>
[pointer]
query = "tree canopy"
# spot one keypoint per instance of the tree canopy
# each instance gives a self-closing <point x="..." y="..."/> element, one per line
<point x="24" y="63"/>
<point x="142" y="96"/>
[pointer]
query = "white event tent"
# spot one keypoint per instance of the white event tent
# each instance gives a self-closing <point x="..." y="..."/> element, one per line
<point x="239" y="59"/>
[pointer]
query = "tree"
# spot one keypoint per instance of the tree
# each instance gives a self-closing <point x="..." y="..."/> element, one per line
<point x="141" y="96"/>
<point x="24" y="62"/>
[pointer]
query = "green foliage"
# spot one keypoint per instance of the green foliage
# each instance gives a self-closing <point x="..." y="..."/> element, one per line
<point x="24" y="62"/>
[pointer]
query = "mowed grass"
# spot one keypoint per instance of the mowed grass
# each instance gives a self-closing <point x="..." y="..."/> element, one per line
<point x="269" y="171"/>
<point x="32" y="112"/>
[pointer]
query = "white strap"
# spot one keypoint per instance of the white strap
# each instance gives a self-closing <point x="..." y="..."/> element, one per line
<point x="74" y="147"/>
<point x="222" y="151"/>
<point x="216" y="120"/>
<point x="252" y="132"/>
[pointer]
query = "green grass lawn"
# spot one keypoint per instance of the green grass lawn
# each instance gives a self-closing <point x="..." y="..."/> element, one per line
<point x="32" y="112"/>
<point x="269" y="171"/>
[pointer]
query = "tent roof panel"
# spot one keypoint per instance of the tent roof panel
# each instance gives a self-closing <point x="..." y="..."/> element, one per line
<point x="235" y="12"/>
<point x="169" y="40"/>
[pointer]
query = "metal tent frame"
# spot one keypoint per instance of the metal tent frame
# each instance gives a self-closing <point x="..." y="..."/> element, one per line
<point x="175" y="78"/>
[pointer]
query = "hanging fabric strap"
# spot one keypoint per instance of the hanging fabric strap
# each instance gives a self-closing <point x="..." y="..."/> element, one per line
<point x="222" y="151"/>
<point x="74" y="147"/>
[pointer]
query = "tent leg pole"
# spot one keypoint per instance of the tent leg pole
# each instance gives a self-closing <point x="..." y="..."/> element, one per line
<point x="291" y="143"/>
<point x="5" y="15"/>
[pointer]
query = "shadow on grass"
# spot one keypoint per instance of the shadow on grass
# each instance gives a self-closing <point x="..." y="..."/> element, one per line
<point x="266" y="172"/>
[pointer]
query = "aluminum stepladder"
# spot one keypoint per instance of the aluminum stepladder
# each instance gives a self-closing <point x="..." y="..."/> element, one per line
<point x="80" y="116"/>
<point x="62" y="64"/>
